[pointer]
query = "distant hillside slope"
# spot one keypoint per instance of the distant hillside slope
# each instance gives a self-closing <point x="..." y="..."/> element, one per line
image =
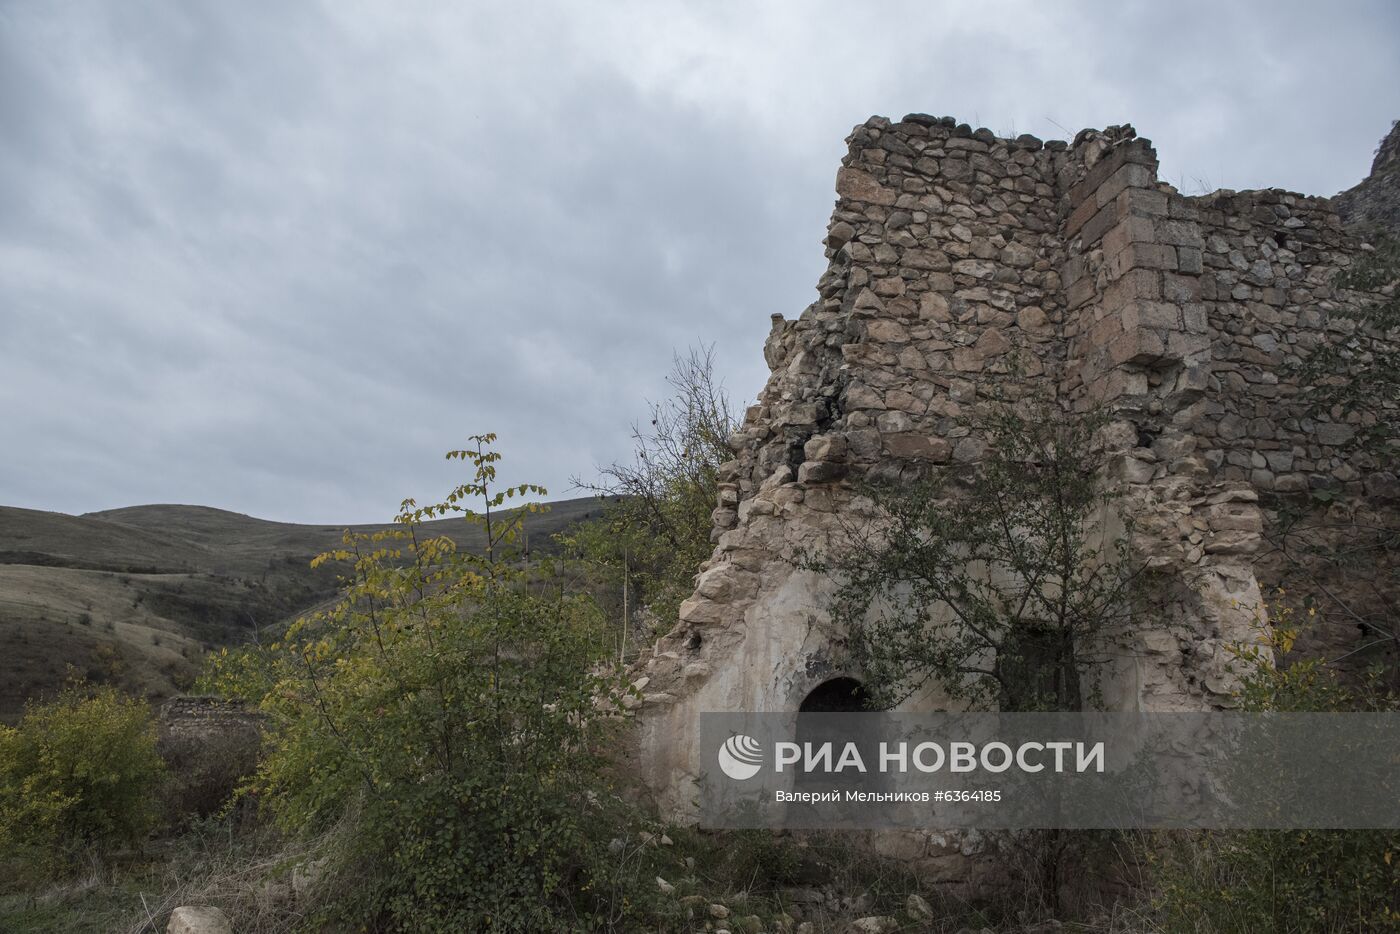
<point x="135" y="596"/>
<point x="29" y="536"/>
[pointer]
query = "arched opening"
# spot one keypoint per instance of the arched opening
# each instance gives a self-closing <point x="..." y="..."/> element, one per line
<point x="843" y="695"/>
<point x="839" y="695"/>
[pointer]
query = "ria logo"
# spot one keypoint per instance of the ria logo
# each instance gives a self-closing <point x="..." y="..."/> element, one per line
<point x="740" y="757"/>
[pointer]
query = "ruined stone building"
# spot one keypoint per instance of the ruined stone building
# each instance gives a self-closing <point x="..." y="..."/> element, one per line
<point x="949" y="249"/>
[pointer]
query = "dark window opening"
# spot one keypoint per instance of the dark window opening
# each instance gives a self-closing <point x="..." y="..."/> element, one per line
<point x="1037" y="670"/>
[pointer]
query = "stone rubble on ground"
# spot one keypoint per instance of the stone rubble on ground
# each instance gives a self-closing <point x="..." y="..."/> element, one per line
<point x="190" y="919"/>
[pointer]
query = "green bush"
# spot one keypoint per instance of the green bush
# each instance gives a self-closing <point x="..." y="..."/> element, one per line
<point x="449" y="714"/>
<point x="1285" y="880"/>
<point x="1281" y="881"/>
<point x="79" y="772"/>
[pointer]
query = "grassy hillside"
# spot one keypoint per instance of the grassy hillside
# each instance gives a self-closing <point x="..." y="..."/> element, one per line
<point x="135" y="596"/>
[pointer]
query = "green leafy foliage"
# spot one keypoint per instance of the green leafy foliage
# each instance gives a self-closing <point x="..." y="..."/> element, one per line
<point x="452" y="714"/>
<point x="988" y="583"/>
<point x="656" y="531"/>
<point x="80" y="772"/>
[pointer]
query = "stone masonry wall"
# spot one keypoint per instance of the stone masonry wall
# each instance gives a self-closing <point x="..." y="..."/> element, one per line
<point x="960" y="262"/>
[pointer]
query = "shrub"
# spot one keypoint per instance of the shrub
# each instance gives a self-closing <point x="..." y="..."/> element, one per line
<point x="655" y="529"/>
<point x="81" y="771"/>
<point x="1286" y="880"/>
<point x="450" y="714"/>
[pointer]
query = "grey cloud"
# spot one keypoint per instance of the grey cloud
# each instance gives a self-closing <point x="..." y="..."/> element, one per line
<point x="279" y="257"/>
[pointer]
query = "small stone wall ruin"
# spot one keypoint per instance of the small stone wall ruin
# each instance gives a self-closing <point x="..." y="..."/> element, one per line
<point x="949" y="249"/>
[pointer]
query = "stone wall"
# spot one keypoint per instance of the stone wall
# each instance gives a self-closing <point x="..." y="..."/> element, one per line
<point x="210" y="746"/>
<point x="959" y="263"/>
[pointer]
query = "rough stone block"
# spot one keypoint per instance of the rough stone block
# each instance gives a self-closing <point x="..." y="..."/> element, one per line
<point x="933" y="306"/>
<point x="861" y="396"/>
<point x="1119" y="384"/>
<point x="1334" y="433"/>
<point x="1162" y="316"/>
<point x="935" y="260"/>
<point x="1143" y="202"/>
<point x="189" y="919"/>
<point x="1138" y="347"/>
<point x="1104" y="169"/>
<point x="1143" y="256"/>
<point x="1131" y="175"/>
<point x="1184" y="346"/>
<point x="1018" y="255"/>
<point x="1133" y="285"/>
<point x="1184" y="209"/>
<point x="825" y="448"/>
<point x="1180" y="233"/>
<point x="1181" y="289"/>
<point x="1100" y="224"/>
<point x="886" y="331"/>
<point x="1032" y="318"/>
<point x="724" y="582"/>
<point x="839" y="235"/>
<point x="1194" y="318"/>
<point x="863" y="444"/>
<point x="890" y="287"/>
<point x="976" y="268"/>
<point x="1238" y="517"/>
<point x="917" y="446"/>
<point x="867" y="300"/>
<point x="820" y="472"/>
<point x="1079" y="216"/>
<point x="904" y="401"/>
<point x="857" y="185"/>
<point x="1128" y="230"/>
<point x="1080" y="293"/>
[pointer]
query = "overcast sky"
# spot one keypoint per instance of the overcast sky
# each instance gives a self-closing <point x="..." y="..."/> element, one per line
<point x="278" y="257"/>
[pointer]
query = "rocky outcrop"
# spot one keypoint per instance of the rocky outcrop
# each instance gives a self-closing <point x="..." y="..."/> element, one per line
<point x="1375" y="203"/>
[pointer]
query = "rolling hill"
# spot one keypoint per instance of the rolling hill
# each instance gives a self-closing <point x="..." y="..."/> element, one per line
<point x="135" y="596"/>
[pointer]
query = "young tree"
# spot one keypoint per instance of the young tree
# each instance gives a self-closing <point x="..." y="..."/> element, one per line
<point x="451" y="718"/>
<point x="656" y="530"/>
<point x="988" y="583"/>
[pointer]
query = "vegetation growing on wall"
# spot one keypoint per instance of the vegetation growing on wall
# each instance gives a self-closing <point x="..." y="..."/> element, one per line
<point x="990" y="583"/>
